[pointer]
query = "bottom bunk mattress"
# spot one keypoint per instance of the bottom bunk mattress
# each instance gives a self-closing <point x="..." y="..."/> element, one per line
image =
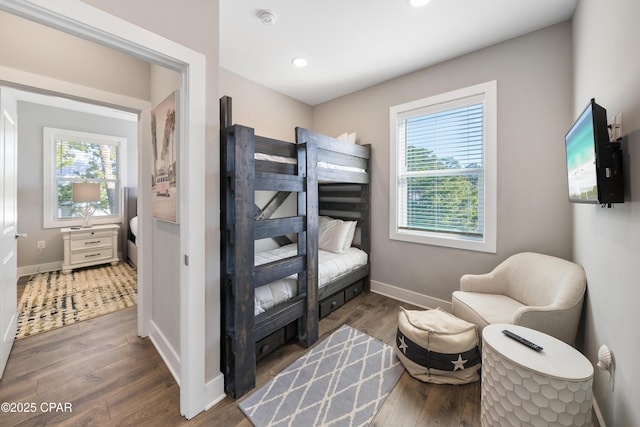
<point x="331" y="266"/>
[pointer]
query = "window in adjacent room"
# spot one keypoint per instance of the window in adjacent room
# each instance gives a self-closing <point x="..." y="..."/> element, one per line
<point x="443" y="169"/>
<point x="70" y="157"/>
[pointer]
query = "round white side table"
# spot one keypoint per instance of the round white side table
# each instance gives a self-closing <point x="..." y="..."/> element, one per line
<point x="522" y="387"/>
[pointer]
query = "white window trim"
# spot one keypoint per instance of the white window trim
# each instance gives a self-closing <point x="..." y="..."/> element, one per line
<point x="49" y="192"/>
<point x="488" y="91"/>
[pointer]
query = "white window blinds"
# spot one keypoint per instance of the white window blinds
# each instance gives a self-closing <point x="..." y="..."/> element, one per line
<point x="443" y="169"/>
<point x="440" y="170"/>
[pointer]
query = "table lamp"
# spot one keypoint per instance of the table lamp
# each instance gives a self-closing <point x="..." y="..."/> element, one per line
<point x="87" y="193"/>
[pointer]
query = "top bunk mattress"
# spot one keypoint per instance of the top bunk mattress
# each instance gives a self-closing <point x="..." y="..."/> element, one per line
<point x="292" y="161"/>
<point x="331" y="266"/>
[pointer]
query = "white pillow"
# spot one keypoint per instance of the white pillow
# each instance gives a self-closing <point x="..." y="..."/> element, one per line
<point x="335" y="235"/>
<point x="350" y="234"/>
<point x="348" y="137"/>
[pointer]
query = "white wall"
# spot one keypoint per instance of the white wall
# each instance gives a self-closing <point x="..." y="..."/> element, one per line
<point x="607" y="241"/>
<point x="534" y="105"/>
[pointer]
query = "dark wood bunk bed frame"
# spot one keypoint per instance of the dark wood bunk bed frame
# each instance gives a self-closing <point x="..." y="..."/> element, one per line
<point x="342" y="194"/>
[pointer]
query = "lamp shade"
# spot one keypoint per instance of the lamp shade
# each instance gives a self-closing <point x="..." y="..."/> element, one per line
<point x="85" y="192"/>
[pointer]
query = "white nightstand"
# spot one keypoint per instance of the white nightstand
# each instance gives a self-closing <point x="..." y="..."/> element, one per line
<point x="84" y="247"/>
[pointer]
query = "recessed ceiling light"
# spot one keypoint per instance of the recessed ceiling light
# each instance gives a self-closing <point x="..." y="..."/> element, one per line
<point x="299" y="62"/>
<point x="418" y="3"/>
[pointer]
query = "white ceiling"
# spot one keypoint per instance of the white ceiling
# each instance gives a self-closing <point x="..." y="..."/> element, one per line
<point x="353" y="44"/>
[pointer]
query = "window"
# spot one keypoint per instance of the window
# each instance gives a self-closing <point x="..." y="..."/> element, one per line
<point x="443" y="169"/>
<point x="71" y="157"/>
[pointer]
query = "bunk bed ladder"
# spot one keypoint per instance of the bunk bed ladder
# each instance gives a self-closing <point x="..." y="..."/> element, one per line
<point x="241" y="226"/>
<point x="238" y="364"/>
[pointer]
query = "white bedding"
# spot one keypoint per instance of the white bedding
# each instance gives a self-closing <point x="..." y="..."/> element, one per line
<point x="133" y="226"/>
<point x="330" y="267"/>
<point x="292" y="161"/>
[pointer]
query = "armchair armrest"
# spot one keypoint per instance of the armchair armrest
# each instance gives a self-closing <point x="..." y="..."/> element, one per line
<point x="489" y="283"/>
<point x="557" y="321"/>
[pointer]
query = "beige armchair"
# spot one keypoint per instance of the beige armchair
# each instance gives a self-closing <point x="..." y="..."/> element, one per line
<point x="538" y="291"/>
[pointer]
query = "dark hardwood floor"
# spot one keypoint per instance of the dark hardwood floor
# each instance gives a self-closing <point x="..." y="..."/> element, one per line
<point x="110" y="376"/>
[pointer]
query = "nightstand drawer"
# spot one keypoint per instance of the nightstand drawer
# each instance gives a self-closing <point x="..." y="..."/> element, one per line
<point x="104" y="241"/>
<point x="84" y="247"/>
<point x="89" y="256"/>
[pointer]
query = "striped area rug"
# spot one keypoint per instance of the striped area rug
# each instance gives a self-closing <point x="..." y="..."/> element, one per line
<point x="342" y="381"/>
<point x="53" y="300"/>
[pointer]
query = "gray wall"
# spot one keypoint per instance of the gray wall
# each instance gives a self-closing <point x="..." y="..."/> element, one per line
<point x="534" y="105"/>
<point x="607" y="241"/>
<point x="31" y="119"/>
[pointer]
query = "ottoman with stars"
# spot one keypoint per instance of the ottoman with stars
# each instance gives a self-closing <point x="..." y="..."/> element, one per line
<point x="437" y="347"/>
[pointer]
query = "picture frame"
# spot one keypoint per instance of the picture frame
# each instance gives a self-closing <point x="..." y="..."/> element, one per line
<point x="165" y="194"/>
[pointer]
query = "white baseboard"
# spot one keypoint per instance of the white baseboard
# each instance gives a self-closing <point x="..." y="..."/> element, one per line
<point x="421" y="300"/>
<point x="28" y="270"/>
<point x="168" y="354"/>
<point x="598" y="413"/>
<point x="214" y="392"/>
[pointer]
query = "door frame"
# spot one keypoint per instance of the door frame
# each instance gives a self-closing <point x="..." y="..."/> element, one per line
<point x="87" y="22"/>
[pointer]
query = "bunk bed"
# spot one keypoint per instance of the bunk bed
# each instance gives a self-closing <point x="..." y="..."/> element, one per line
<point x="331" y="180"/>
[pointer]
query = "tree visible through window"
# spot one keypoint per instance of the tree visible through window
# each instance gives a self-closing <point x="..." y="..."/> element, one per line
<point x="83" y="157"/>
<point x="86" y="162"/>
<point x="443" y="169"/>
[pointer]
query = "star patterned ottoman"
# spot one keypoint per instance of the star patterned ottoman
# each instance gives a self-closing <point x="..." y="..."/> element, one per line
<point x="437" y="347"/>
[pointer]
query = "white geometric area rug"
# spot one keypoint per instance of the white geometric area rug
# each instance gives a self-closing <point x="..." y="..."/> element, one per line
<point x="342" y="381"/>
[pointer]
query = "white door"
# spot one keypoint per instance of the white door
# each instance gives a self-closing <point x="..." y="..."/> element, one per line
<point x="8" y="232"/>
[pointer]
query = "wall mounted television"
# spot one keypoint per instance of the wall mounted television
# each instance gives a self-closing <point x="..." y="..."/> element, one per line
<point x="594" y="163"/>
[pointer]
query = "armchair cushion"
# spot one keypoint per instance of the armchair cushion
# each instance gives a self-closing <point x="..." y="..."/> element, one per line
<point x="485" y="309"/>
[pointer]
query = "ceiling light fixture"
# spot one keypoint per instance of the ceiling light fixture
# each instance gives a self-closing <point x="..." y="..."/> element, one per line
<point x="418" y="3"/>
<point x="267" y="17"/>
<point x="299" y="62"/>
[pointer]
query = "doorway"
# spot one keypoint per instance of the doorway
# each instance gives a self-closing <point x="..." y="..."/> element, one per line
<point x="102" y="143"/>
<point x="88" y="23"/>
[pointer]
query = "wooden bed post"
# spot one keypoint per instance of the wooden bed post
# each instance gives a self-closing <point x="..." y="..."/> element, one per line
<point x="239" y="355"/>
<point x="365" y="222"/>
<point x="310" y="201"/>
<point x="225" y="113"/>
